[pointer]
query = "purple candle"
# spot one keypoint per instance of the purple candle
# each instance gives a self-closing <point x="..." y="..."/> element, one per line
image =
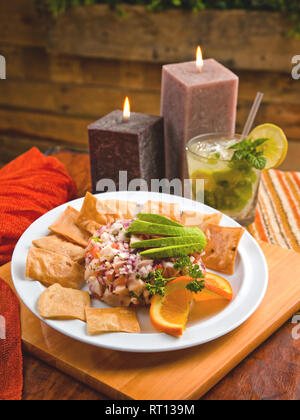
<point x="124" y="141"/>
<point x="197" y="98"/>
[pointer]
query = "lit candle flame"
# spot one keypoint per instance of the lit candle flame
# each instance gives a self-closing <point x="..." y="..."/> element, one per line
<point x="126" y="109"/>
<point x="199" y="59"/>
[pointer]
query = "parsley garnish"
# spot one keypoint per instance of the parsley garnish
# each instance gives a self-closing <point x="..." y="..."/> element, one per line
<point x="156" y="283"/>
<point x="194" y="271"/>
<point x="149" y="277"/>
<point x="247" y="150"/>
<point x="188" y="268"/>
<point x="182" y="264"/>
<point x="196" y="286"/>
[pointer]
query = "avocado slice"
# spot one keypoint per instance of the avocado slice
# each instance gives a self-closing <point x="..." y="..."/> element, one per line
<point x="171" y="241"/>
<point x="157" y="218"/>
<point x="139" y="226"/>
<point x="172" y="251"/>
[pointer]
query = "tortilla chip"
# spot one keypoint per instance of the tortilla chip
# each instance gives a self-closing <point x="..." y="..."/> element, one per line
<point x="66" y="227"/>
<point x="170" y="210"/>
<point x="95" y="213"/>
<point x="192" y="218"/>
<point x="50" y="268"/>
<point x="222" y="247"/>
<point x="61" y="246"/>
<point x="111" y="320"/>
<point x="60" y="303"/>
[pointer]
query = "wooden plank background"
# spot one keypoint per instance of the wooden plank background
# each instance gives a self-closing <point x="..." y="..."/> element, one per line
<point x="50" y="97"/>
<point x="241" y="39"/>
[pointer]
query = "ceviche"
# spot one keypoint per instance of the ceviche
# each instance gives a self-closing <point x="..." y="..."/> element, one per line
<point x="117" y="273"/>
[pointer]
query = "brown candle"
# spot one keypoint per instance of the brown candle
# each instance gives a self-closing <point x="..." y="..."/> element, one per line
<point x="126" y="142"/>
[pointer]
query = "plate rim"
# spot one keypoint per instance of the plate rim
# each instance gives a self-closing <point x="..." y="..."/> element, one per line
<point x="91" y="340"/>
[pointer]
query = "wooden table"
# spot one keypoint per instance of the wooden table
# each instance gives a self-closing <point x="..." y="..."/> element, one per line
<point x="271" y="372"/>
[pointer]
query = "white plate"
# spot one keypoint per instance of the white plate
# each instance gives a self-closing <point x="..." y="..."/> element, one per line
<point x="249" y="284"/>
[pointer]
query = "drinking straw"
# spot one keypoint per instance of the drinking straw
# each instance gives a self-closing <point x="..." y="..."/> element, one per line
<point x="252" y="115"/>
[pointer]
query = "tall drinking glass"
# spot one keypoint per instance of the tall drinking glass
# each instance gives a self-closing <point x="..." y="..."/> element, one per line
<point x="230" y="186"/>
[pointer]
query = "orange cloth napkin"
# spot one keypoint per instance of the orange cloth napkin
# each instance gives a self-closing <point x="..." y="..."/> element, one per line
<point x="11" y="375"/>
<point x="30" y="186"/>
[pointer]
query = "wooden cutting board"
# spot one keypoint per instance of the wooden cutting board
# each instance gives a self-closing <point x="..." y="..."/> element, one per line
<point x="184" y="374"/>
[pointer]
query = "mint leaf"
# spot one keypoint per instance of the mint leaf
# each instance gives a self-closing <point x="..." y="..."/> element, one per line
<point x="242" y="145"/>
<point x="239" y="155"/>
<point x="251" y="159"/>
<point x="246" y="150"/>
<point x="259" y="142"/>
<point x="257" y="162"/>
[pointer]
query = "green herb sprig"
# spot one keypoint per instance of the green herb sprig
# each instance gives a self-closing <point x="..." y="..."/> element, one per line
<point x="194" y="271"/>
<point x="247" y="150"/>
<point x="196" y="286"/>
<point x="182" y="264"/>
<point x="156" y="283"/>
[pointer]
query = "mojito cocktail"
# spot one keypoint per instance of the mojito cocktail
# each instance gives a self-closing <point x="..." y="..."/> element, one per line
<point x="230" y="186"/>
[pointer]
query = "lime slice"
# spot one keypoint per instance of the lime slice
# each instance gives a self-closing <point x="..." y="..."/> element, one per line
<point x="275" y="149"/>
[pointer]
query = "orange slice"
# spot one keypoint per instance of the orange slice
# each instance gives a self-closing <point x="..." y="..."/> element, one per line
<point x="207" y="295"/>
<point x="169" y="313"/>
<point x="217" y="285"/>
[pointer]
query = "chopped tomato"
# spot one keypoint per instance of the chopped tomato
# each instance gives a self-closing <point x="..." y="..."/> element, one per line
<point x="115" y="246"/>
<point x="95" y="252"/>
<point x="110" y="277"/>
<point x="121" y="281"/>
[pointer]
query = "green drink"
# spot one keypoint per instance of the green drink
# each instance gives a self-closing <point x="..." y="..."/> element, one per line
<point x="230" y="186"/>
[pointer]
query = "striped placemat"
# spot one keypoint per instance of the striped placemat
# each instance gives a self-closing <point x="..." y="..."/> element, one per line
<point x="278" y="212"/>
